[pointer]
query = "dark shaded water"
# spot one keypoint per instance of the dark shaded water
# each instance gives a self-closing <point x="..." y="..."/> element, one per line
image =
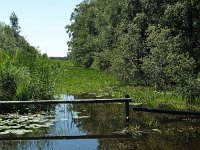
<point x="148" y="131"/>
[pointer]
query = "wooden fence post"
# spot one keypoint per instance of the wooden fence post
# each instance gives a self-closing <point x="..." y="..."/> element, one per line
<point x="127" y="119"/>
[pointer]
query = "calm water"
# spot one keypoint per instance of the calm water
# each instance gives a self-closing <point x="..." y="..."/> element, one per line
<point x="149" y="131"/>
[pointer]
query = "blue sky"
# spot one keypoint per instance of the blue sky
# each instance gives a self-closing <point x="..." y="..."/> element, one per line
<point x="42" y="22"/>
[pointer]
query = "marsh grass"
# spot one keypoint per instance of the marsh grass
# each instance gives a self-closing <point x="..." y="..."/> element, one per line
<point x="23" y="80"/>
<point x="75" y="81"/>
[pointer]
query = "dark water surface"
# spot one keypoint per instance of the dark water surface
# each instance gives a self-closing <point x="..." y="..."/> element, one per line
<point x="148" y="131"/>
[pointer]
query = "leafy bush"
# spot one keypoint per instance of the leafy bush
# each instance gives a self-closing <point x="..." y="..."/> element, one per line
<point x="25" y="74"/>
<point x="101" y="62"/>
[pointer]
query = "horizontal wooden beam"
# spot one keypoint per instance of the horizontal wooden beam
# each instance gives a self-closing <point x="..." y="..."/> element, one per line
<point x="174" y="112"/>
<point x="76" y="101"/>
<point x="13" y="138"/>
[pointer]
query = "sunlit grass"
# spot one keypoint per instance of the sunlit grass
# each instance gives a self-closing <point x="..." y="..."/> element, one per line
<point x="75" y="80"/>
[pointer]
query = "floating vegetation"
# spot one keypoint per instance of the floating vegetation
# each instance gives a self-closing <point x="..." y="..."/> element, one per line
<point x="80" y="117"/>
<point x="16" y="124"/>
<point x="90" y="83"/>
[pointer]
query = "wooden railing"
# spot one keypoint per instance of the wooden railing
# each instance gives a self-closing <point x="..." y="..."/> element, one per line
<point x="76" y="101"/>
<point x="80" y="137"/>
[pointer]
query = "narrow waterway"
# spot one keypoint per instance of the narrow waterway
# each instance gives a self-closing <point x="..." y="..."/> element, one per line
<point x="99" y="126"/>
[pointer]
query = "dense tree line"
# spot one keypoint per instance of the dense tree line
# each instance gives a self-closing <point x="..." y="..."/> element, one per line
<point x="25" y="74"/>
<point x="144" y="42"/>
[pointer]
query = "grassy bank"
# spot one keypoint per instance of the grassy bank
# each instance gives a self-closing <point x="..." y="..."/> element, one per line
<point x="75" y="80"/>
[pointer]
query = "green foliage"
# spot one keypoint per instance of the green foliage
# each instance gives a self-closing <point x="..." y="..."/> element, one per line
<point x="20" y="82"/>
<point x="25" y="74"/>
<point x="81" y="31"/>
<point x="90" y="83"/>
<point x="77" y="80"/>
<point x="144" y="42"/>
<point x="15" y="23"/>
<point x="8" y="83"/>
<point x="165" y="66"/>
<point x="101" y="62"/>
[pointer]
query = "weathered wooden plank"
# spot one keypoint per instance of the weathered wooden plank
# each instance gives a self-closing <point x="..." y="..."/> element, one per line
<point x="67" y="101"/>
<point x="115" y="136"/>
<point x="174" y="112"/>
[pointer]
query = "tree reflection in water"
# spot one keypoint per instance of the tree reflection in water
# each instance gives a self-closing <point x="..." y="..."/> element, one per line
<point x="166" y="132"/>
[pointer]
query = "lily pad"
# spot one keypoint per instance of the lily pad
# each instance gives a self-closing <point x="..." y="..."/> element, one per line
<point x="4" y="133"/>
<point x="20" y="131"/>
<point x="80" y="117"/>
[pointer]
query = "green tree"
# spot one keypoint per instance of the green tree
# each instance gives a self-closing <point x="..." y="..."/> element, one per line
<point x="14" y="21"/>
<point x="144" y="42"/>
<point x="81" y="32"/>
<point x="166" y="66"/>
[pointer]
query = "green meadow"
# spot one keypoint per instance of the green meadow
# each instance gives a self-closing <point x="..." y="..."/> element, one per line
<point x="74" y="80"/>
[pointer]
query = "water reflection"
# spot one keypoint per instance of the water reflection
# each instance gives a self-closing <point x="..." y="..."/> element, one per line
<point x="50" y="145"/>
<point x="92" y="121"/>
<point x="64" y="125"/>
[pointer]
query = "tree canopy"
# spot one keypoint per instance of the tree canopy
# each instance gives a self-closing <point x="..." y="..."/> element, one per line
<point x="144" y="42"/>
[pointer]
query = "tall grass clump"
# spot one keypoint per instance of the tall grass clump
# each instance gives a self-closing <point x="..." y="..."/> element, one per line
<point x="20" y="82"/>
<point x="25" y="74"/>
